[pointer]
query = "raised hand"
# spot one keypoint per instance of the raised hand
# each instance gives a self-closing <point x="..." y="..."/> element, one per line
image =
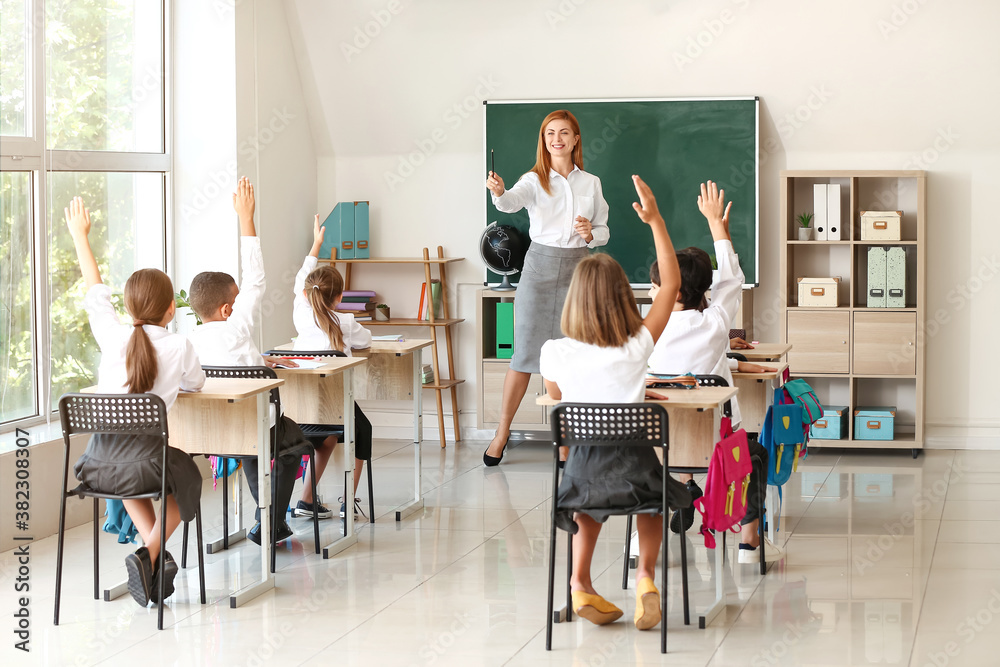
<point x="318" y="232"/>
<point x="77" y="218"/>
<point x="712" y="204"/>
<point x="495" y="184"/>
<point x="243" y="199"/>
<point x="646" y="206"/>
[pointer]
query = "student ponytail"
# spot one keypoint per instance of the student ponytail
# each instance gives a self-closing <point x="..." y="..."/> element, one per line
<point x="323" y="287"/>
<point x="148" y="296"/>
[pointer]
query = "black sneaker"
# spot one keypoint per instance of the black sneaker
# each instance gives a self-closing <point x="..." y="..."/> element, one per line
<point x="357" y="509"/>
<point x="686" y="514"/>
<point x="140" y="575"/>
<point x="307" y="510"/>
<point x="168" y="572"/>
<point x="284" y="532"/>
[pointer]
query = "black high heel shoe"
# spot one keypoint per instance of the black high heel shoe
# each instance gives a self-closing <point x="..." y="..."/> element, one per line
<point x="492" y="461"/>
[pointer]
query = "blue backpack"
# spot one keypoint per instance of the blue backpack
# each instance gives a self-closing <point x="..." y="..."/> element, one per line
<point x="783" y="436"/>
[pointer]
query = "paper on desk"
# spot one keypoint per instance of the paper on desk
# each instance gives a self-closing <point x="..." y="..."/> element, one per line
<point x="302" y="363"/>
<point x="389" y="338"/>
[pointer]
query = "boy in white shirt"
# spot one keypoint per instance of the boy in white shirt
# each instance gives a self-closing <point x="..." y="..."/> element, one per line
<point x="696" y="340"/>
<point x="225" y="338"/>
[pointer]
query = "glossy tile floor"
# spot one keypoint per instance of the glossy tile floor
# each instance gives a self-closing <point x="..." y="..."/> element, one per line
<point x="890" y="561"/>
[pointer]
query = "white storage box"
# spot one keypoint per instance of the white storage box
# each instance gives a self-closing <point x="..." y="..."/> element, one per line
<point x="818" y="292"/>
<point x="881" y="225"/>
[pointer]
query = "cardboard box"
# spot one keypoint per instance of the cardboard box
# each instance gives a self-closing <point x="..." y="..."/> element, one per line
<point x="895" y="280"/>
<point x="874" y="423"/>
<point x="818" y="292"/>
<point x="876" y="277"/>
<point x="881" y="225"/>
<point x="832" y="425"/>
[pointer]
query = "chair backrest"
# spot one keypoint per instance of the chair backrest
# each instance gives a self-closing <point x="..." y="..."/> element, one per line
<point x="716" y="381"/>
<point x="610" y="424"/>
<point x="306" y="353"/>
<point x="137" y="414"/>
<point x="249" y="372"/>
<point x="737" y="356"/>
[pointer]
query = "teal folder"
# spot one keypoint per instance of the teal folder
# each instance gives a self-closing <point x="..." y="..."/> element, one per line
<point x="505" y="330"/>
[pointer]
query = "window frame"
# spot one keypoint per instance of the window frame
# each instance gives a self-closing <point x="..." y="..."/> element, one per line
<point x="31" y="154"/>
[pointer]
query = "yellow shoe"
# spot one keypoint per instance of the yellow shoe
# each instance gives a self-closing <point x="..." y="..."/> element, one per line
<point x="594" y="608"/>
<point x="647" y="604"/>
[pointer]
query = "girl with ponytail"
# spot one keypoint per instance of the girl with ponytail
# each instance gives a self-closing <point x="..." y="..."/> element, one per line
<point x="140" y="357"/>
<point x="318" y="292"/>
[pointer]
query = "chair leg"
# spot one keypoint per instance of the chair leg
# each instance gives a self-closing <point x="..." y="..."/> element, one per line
<point x="312" y="477"/>
<point x="184" y="547"/>
<point x="552" y="583"/>
<point x="569" y="577"/>
<point x="371" y="493"/>
<point x="163" y="552"/>
<point x="628" y="554"/>
<point x="684" y="576"/>
<point x="663" y="585"/>
<point x="59" y="555"/>
<point x="201" y="554"/>
<point x="225" y="503"/>
<point x="762" y="487"/>
<point x="97" y="550"/>
<point x="273" y="510"/>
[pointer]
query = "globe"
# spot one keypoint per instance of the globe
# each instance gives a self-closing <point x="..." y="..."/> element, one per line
<point x="503" y="248"/>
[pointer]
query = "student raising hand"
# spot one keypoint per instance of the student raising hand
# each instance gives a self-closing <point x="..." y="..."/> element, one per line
<point x="244" y="205"/>
<point x="712" y="204"/>
<point x="78" y="221"/>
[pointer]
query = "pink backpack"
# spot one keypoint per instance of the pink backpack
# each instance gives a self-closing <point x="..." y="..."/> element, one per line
<point x="724" y="502"/>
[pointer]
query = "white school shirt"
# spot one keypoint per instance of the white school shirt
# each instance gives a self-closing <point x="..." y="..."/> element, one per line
<point x="230" y="342"/>
<point x="551" y="217"/>
<point x="588" y="373"/>
<point x="697" y="342"/>
<point x="310" y="336"/>
<point x="178" y="368"/>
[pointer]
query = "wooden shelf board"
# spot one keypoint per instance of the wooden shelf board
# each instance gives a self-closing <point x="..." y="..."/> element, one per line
<point x="821" y="375"/>
<point x="851" y="173"/>
<point x="885" y="377"/>
<point x="866" y="309"/>
<point x="902" y="441"/>
<point x="818" y="243"/>
<point x="886" y="243"/>
<point x="412" y="322"/>
<point x="443" y="384"/>
<point x="396" y="260"/>
<point x="821" y="309"/>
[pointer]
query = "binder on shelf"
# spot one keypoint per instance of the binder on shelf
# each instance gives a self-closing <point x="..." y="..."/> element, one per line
<point x="505" y="330"/>
<point x="342" y="227"/>
<point x="895" y="279"/>
<point x="361" y="230"/>
<point x="833" y="215"/>
<point x="820" y="208"/>
<point x="427" y="301"/>
<point x="876" y="277"/>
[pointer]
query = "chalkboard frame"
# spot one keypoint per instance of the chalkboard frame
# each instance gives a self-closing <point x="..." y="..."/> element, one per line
<point x="493" y="279"/>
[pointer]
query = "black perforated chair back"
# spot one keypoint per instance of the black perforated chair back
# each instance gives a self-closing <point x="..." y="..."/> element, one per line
<point x="248" y="372"/>
<point x="615" y="425"/>
<point x="716" y="381"/>
<point x="135" y="414"/>
<point x="306" y="353"/>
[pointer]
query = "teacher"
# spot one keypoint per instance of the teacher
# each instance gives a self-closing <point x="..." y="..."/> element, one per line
<point x="567" y="215"/>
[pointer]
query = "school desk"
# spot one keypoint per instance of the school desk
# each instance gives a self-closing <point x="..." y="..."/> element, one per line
<point x="764" y="352"/>
<point x="694" y="416"/>
<point x="230" y="417"/>
<point x="393" y="373"/>
<point x="325" y="395"/>
<point x="756" y="394"/>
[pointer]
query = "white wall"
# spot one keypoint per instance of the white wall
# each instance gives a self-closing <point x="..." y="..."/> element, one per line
<point x="851" y="85"/>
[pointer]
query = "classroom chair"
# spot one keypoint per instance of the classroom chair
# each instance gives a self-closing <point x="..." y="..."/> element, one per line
<point x="252" y="372"/>
<point x="133" y="414"/>
<point x="607" y="425"/>
<point x="320" y="432"/>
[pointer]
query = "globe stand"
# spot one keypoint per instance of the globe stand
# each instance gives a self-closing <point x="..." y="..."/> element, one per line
<point x="505" y="285"/>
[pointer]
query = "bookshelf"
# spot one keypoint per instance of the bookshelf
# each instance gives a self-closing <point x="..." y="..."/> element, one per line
<point x="851" y="354"/>
<point x="442" y="382"/>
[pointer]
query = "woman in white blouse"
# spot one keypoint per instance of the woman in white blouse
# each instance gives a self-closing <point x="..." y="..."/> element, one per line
<point x="568" y="215"/>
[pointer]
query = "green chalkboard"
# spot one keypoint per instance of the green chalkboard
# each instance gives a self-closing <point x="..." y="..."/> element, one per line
<point x="674" y="145"/>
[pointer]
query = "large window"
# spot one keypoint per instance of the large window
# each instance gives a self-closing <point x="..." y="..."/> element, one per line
<point x="91" y="122"/>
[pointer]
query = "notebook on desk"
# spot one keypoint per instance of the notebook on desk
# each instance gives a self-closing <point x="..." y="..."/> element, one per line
<point x="686" y="381"/>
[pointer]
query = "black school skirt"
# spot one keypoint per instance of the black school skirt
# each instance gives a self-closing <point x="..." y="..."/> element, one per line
<point x="130" y="464"/>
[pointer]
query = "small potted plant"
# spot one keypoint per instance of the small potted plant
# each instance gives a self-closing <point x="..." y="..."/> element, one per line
<point x="805" y="231"/>
<point x="382" y="312"/>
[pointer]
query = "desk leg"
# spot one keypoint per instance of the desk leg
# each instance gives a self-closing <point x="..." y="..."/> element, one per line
<point x="707" y="616"/>
<point x="264" y="501"/>
<point x="240" y="533"/>
<point x="418" y="436"/>
<point x="770" y="511"/>
<point x="350" y="538"/>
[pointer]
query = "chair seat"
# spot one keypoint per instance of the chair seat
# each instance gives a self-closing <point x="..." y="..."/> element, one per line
<point x="85" y="491"/>
<point x="321" y="430"/>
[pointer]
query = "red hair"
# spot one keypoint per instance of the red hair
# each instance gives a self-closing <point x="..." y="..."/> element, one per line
<point x="543" y="161"/>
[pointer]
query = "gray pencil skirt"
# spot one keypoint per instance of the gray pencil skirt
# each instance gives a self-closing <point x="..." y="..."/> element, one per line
<point x="541" y="292"/>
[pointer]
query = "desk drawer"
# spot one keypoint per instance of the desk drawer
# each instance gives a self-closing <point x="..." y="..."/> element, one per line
<point x="819" y="342"/>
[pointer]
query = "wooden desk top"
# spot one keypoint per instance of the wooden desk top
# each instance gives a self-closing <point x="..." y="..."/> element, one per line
<point x="331" y="366"/>
<point x="761" y="376"/>
<point x="230" y="389"/>
<point x="702" y="398"/>
<point x="765" y="351"/>
<point x="406" y="346"/>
